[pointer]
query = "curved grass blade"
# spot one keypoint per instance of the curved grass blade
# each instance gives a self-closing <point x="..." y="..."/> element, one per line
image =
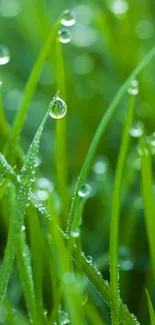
<point x="101" y="128"/>
<point x="28" y="94"/>
<point x="26" y="179"/>
<point x="114" y="226"/>
<point x="61" y="147"/>
<point x="148" y="198"/>
<point x="151" y="309"/>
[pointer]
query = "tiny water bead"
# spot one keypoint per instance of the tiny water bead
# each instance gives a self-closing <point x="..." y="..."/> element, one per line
<point x="68" y="18"/>
<point x="137" y="129"/>
<point x="84" y="190"/>
<point x="133" y="88"/>
<point x="4" y="54"/>
<point x="64" y="36"/>
<point x="58" y="108"/>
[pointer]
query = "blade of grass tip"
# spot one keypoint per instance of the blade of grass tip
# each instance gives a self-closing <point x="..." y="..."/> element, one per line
<point x="151" y="309"/>
<point x="104" y="290"/>
<point x="101" y="286"/>
<point x="101" y="128"/>
<point x="114" y="226"/>
<point x="25" y="270"/>
<point x="25" y="179"/>
<point x="9" y="150"/>
<point x="61" y="137"/>
<point x="148" y="198"/>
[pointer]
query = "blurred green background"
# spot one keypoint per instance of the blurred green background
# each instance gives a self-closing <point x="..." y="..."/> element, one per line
<point x="108" y="40"/>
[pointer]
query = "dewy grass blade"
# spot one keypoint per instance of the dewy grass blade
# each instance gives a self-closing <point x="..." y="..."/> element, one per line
<point x="101" y="286"/>
<point x="25" y="178"/>
<point x="101" y="128"/>
<point x="151" y="309"/>
<point x="28" y="94"/>
<point x="25" y="270"/>
<point x="61" y="147"/>
<point x="148" y="198"/>
<point x="114" y="226"/>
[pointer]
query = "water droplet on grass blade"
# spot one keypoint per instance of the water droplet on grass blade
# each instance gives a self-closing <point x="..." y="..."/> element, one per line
<point x="58" y="108"/>
<point x="68" y="18"/>
<point x="137" y="129"/>
<point x="63" y="317"/>
<point x="75" y="233"/>
<point x="23" y="228"/>
<point x="84" y="190"/>
<point x="133" y="88"/>
<point x="89" y="259"/>
<point x="64" y="36"/>
<point x="4" y="55"/>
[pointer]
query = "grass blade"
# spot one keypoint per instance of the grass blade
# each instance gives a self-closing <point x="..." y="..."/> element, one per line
<point x="151" y="309"/>
<point x="101" y="128"/>
<point x="61" y="150"/>
<point x="148" y="198"/>
<point x="22" y="196"/>
<point x="114" y="227"/>
<point x="25" y="270"/>
<point x="28" y="94"/>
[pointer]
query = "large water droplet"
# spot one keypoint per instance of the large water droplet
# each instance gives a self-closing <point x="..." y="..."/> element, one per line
<point x="89" y="259"/>
<point x="68" y="18"/>
<point x="84" y="190"/>
<point x="137" y="129"/>
<point x="119" y="7"/>
<point x="4" y="55"/>
<point x="23" y="228"/>
<point x="64" y="36"/>
<point x="58" y="108"/>
<point x="133" y="88"/>
<point x="75" y="232"/>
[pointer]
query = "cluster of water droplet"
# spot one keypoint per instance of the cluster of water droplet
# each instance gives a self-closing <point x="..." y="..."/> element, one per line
<point x="67" y="20"/>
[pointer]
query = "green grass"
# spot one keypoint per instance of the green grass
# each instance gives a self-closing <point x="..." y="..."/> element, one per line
<point x="47" y="273"/>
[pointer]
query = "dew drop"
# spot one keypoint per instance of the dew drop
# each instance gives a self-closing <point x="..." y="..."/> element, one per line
<point x="100" y="166"/>
<point x="137" y="129"/>
<point x="4" y="55"/>
<point x="75" y="233"/>
<point x="58" y="108"/>
<point x="42" y="195"/>
<point x="23" y="228"/>
<point x="64" y="36"/>
<point x="89" y="259"/>
<point x="63" y="317"/>
<point x="68" y="18"/>
<point x="119" y="7"/>
<point x="84" y="190"/>
<point x="133" y="88"/>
